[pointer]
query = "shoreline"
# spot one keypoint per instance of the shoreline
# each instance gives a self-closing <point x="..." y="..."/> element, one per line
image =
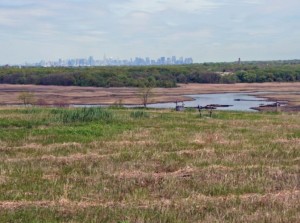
<point x="68" y="95"/>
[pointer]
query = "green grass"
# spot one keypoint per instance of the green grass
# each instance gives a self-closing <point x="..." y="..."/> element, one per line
<point x="139" y="114"/>
<point x="82" y="115"/>
<point x="136" y="165"/>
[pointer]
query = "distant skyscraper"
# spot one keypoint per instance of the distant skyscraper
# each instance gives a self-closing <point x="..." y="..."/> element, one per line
<point x="180" y="61"/>
<point x="173" y="59"/>
<point x="90" y="61"/>
<point x="169" y="61"/>
<point x="147" y="61"/>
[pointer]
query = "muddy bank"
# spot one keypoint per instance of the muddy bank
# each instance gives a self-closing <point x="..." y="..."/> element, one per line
<point x="52" y="95"/>
<point x="287" y="108"/>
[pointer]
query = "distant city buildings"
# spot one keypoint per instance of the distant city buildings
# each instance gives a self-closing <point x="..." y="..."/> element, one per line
<point x="90" y="61"/>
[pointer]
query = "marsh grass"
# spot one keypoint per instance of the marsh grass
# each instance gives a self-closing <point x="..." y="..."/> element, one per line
<point x="82" y="115"/>
<point x="139" y="114"/>
<point x="123" y="165"/>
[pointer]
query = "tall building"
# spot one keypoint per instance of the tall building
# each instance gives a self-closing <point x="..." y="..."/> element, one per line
<point x="173" y="59"/>
<point x="90" y="61"/>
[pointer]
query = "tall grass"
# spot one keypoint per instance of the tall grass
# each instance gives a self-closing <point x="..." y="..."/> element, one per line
<point x="139" y="114"/>
<point x="82" y="115"/>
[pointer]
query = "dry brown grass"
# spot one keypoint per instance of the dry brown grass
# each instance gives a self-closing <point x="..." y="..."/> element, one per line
<point x="289" y="198"/>
<point x="168" y="167"/>
<point x="93" y="95"/>
<point x="62" y="159"/>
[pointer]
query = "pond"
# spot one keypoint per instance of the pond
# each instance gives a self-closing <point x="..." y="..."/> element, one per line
<point x="245" y="103"/>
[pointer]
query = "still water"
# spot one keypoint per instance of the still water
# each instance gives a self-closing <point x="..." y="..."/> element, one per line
<point x="247" y="101"/>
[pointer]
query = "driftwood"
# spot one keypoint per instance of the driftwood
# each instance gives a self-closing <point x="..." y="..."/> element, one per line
<point x="276" y="104"/>
<point x="209" y="107"/>
<point x="218" y="105"/>
<point x="238" y="99"/>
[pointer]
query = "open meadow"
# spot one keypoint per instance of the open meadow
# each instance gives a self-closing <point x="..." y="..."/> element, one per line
<point x="140" y="165"/>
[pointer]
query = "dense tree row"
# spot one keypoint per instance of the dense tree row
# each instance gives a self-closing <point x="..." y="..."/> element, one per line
<point x="156" y="76"/>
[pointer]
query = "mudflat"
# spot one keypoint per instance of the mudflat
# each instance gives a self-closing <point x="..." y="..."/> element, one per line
<point x="127" y="95"/>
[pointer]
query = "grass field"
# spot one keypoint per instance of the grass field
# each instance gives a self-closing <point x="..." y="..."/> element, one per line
<point x="120" y="165"/>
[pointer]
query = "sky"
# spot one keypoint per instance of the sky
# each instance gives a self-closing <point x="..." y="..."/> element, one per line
<point x="207" y="30"/>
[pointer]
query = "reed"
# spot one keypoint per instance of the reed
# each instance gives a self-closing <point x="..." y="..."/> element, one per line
<point x="82" y="114"/>
<point x="139" y="114"/>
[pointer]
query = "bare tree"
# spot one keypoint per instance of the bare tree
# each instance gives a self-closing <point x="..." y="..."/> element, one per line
<point x="144" y="94"/>
<point x="27" y="98"/>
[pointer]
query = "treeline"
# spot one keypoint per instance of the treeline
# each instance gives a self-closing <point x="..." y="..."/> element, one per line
<point x="156" y="76"/>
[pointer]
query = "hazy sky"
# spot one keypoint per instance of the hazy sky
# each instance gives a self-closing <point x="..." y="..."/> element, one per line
<point x="207" y="30"/>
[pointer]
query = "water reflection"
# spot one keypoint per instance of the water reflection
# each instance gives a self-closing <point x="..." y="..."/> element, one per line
<point x="245" y="104"/>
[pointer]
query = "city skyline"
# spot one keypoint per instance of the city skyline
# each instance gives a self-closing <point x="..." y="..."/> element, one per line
<point x="109" y="61"/>
<point x="206" y="30"/>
